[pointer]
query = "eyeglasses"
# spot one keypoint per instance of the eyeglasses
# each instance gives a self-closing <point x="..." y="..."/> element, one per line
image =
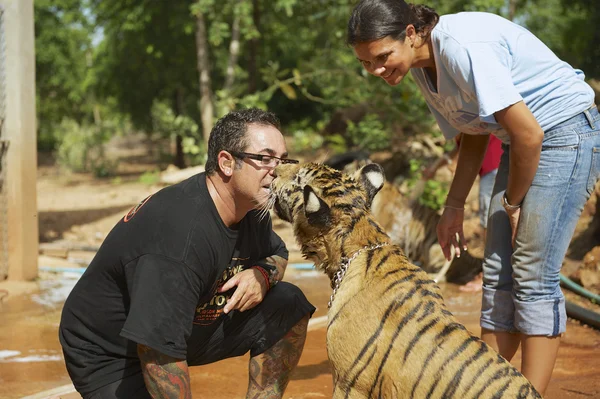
<point x="265" y="160"/>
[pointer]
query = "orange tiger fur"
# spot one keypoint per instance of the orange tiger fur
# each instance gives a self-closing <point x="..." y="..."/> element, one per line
<point x="389" y="334"/>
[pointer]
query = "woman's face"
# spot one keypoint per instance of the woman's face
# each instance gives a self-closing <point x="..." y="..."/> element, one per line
<point x="387" y="58"/>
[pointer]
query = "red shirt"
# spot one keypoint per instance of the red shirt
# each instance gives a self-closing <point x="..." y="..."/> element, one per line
<point x="491" y="159"/>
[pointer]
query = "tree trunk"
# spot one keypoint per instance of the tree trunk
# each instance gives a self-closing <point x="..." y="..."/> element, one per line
<point x="179" y="160"/>
<point x="512" y="9"/>
<point x="206" y="100"/>
<point x="253" y="50"/>
<point x="234" y="50"/>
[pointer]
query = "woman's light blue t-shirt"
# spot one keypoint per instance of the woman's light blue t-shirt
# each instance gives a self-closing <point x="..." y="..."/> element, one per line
<point x="486" y="63"/>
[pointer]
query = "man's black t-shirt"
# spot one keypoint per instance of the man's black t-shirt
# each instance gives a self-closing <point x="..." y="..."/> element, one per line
<point x="154" y="282"/>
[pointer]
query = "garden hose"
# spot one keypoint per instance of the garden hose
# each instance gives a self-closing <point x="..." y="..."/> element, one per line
<point x="573" y="286"/>
<point x="582" y="314"/>
<point x="577" y="312"/>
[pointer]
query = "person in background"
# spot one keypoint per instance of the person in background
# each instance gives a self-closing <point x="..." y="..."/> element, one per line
<point x="483" y="75"/>
<point x="190" y="276"/>
<point x="487" y="177"/>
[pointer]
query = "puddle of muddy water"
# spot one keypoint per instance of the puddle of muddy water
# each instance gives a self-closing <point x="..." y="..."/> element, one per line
<point x="31" y="358"/>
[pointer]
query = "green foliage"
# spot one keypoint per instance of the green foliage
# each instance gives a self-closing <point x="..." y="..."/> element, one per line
<point x="150" y="178"/>
<point x="82" y="148"/>
<point x="434" y="195"/>
<point x="337" y="143"/>
<point x="293" y="60"/>
<point x="63" y="50"/>
<point x="147" y="53"/>
<point x="305" y="137"/>
<point x="369" y="133"/>
<point x="166" y="124"/>
<point x="434" y="192"/>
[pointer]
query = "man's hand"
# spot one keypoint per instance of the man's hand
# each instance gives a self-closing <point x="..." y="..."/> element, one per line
<point x="251" y="289"/>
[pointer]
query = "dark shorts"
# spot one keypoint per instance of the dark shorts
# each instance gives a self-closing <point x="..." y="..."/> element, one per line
<point x="235" y="334"/>
<point x="255" y="330"/>
<point x="132" y="387"/>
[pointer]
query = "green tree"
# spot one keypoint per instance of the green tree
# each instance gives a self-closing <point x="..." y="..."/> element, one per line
<point x="63" y="51"/>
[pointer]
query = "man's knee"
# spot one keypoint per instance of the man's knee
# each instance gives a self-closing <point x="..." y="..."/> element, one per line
<point x="285" y="310"/>
<point x="284" y="295"/>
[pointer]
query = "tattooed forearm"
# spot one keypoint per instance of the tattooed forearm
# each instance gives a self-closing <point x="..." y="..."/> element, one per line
<point x="270" y="371"/>
<point x="165" y="376"/>
<point x="276" y="274"/>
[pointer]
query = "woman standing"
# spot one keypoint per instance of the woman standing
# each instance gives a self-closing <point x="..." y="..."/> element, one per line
<point x="482" y="74"/>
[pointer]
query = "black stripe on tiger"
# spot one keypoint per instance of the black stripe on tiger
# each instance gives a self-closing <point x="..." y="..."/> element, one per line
<point x="417" y="337"/>
<point x="501" y="391"/>
<point x="395" y="304"/>
<point x="478" y="374"/>
<point x="382" y="261"/>
<point x="376" y="226"/>
<point x="397" y="282"/>
<point x="452" y="357"/>
<point x="499" y="375"/>
<point x="403" y="322"/>
<point x="294" y="204"/>
<point x="367" y="363"/>
<point x="449" y="329"/>
<point x="370" y="255"/>
<point x="346" y="208"/>
<point x="455" y="382"/>
<point x="427" y="311"/>
<point x="425" y="292"/>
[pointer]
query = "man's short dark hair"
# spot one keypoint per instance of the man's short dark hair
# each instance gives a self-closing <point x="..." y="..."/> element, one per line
<point x="229" y="133"/>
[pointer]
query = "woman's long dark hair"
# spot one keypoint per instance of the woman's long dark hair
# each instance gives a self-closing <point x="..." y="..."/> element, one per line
<point x="376" y="19"/>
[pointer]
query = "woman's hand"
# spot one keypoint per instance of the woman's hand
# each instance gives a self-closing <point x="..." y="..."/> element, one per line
<point x="513" y="217"/>
<point x="450" y="232"/>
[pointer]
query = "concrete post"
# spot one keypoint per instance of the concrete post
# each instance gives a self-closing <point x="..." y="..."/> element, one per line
<point x="20" y="130"/>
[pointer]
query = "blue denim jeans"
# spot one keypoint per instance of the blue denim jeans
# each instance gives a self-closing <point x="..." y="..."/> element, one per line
<point x="486" y="187"/>
<point x="521" y="287"/>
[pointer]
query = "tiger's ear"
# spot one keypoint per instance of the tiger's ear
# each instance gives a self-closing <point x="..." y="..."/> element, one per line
<point x="371" y="177"/>
<point x="316" y="210"/>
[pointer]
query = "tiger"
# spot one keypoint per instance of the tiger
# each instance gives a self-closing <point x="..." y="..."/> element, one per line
<point x="389" y="333"/>
<point x="412" y="226"/>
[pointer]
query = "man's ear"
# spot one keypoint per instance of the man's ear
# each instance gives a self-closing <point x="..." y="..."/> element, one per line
<point x="317" y="212"/>
<point x="226" y="163"/>
<point x="371" y="177"/>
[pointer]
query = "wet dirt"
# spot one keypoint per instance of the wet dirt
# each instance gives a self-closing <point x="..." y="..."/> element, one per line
<point x="31" y="360"/>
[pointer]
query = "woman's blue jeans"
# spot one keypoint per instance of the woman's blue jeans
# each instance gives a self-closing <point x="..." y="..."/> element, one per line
<point x="521" y="287"/>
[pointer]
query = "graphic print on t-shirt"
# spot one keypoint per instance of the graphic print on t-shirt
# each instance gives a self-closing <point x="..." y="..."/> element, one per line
<point x="135" y="209"/>
<point x="454" y="108"/>
<point x="208" y="312"/>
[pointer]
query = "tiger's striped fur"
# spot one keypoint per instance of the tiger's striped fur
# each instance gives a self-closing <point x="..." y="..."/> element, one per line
<point x="389" y="334"/>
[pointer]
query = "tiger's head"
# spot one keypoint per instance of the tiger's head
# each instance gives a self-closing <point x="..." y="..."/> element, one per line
<point x="325" y="207"/>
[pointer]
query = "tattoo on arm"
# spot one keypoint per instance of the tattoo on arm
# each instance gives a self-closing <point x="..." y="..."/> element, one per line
<point x="165" y="376"/>
<point x="279" y="264"/>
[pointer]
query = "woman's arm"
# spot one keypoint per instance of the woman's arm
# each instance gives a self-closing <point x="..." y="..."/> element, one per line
<point x="470" y="156"/>
<point x="526" y="137"/>
<point x="165" y="376"/>
<point x="450" y="227"/>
